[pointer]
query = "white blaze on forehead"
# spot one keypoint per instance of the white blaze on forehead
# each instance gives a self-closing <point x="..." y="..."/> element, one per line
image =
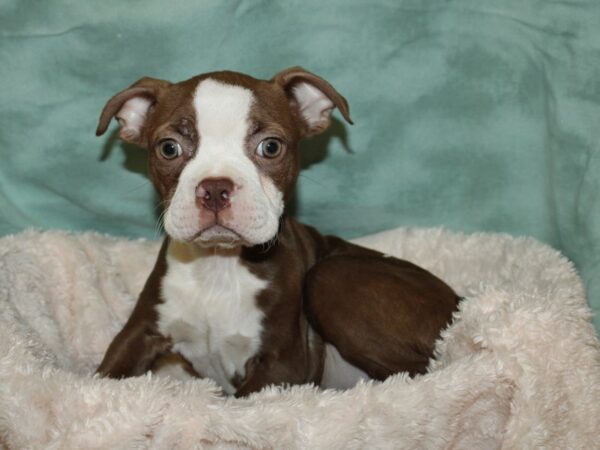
<point x="223" y="121"/>
<point x="222" y="110"/>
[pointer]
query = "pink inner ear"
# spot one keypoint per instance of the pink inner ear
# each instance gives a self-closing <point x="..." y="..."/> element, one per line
<point x="132" y="116"/>
<point x="315" y="106"/>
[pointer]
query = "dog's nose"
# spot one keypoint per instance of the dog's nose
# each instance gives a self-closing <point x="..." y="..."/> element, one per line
<point x="215" y="193"/>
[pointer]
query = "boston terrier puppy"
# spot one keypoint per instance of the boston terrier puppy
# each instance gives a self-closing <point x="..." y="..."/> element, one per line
<point x="242" y="293"/>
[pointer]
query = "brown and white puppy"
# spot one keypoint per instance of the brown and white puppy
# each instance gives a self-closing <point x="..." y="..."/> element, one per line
<point x="242" y="293"/>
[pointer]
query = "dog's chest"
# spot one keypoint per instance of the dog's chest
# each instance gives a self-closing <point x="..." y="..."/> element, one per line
<point x="210" y="311"/>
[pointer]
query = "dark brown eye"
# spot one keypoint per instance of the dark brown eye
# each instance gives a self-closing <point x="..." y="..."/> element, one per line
<point x="169" y="149"/>
<point x="269" y="148"/>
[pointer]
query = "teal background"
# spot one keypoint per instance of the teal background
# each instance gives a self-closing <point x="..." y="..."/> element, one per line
<point x="472" y="115"/>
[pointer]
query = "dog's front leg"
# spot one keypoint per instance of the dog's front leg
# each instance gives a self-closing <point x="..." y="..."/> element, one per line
<point x="285" y="365"/>
<point x="256" y="376"/>
<point x="134" y="350"/>
<point x="264" y="370"/>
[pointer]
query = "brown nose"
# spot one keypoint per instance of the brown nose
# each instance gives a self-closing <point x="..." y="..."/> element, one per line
<point x="215" y="193"/>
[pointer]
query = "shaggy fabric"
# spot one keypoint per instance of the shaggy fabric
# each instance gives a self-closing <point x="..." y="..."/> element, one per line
<point x="518" y="368"/>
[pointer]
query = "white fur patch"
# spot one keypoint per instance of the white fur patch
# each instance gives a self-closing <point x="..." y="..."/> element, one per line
<point x="222" y="113"/>
<point x="210" y="310"/>
<point x="339" y="373"/>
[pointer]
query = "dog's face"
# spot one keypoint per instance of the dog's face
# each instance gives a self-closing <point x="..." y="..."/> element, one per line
<point x="223" y="147"/>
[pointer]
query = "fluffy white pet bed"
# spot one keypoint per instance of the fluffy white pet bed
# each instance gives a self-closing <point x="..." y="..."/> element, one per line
<point x="519" y="367"/>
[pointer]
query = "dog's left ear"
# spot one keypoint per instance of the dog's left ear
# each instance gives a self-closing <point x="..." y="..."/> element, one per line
<point x="313" y="98"/>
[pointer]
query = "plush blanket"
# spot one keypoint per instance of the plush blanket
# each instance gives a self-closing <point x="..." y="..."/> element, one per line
<point x="518" y="368"/>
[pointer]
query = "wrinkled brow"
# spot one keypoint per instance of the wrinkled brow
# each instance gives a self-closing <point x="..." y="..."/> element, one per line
<point x="185" y="127"/>
<point x="255" y="127"/>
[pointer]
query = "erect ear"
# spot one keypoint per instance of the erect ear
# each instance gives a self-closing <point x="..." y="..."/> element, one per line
<point x="131" y="107"/>
<point x="313" y="97"/>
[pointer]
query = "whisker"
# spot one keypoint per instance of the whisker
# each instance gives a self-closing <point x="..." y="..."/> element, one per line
<point x="158" y="225"/>
<point x="136" y="187"/>
<point x="321" y="184"/>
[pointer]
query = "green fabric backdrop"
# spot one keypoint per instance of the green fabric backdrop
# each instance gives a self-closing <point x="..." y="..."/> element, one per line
<point x="472" y="115"/>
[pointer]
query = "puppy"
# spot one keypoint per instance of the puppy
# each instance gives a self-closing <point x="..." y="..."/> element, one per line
<point x="240" y="292"/>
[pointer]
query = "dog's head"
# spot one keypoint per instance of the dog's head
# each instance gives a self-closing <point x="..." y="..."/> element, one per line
<point x="223" y="147"/>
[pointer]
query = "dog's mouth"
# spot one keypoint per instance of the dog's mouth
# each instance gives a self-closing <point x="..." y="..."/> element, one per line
<point x="218" y="236"/>
<point x="243" y="224"/>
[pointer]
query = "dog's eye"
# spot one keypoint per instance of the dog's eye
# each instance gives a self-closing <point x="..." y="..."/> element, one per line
<point x="269" y="148"/>
<point x="169" y="149"/>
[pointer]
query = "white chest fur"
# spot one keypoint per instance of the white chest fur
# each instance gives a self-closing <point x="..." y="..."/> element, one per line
<point x="210" y="310"/>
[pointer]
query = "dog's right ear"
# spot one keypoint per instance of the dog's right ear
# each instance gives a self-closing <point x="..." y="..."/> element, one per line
<point x="131" y="107"/>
